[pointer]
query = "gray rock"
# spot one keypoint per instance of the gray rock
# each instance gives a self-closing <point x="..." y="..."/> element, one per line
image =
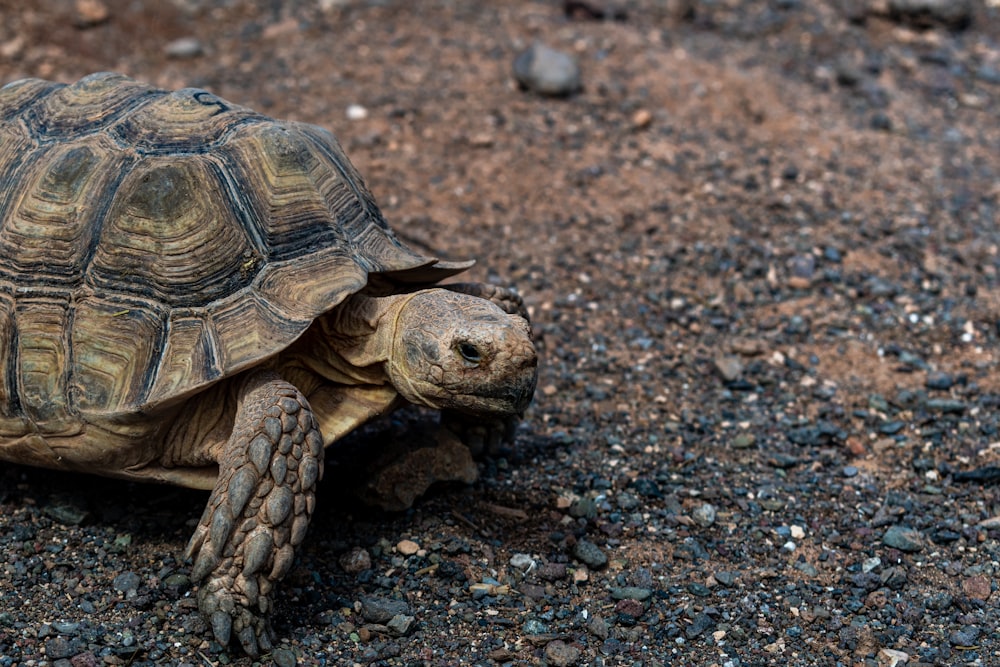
<point x="65" y="627"/>
<point x="533" y="626"/>
<point x="381" y="610"/>
<point x="560" y="654"/>
<point x="547" y="71"/>
<point x="400" y="624"/>
<point x="631" y="593"/>
<point x="904" y="538"/>
<point x="729" y="367"/>
<point x="939" y="380"/>
<point x="953" y="13"/>
<point x="967" y="636"/>
<point x="126" y="582"/>
<point x="58" y="647"/>
<point x="726" y="578"/>
<point x="283" y="657"/>
<point x="583" y="507"/>
<point x="699" y="625"/>
<point x="598" y="627"/>
<point x="178" y="581"/>
<point x="590" y="554"/>
<point x="704" y="515"/>
<point x="355" y="560"/>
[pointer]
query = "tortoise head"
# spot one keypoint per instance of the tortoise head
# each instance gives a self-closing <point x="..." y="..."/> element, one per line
<point x="462" y="352"/>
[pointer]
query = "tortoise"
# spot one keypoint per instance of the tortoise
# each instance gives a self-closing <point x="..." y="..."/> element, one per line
<point x="194" y="293"/>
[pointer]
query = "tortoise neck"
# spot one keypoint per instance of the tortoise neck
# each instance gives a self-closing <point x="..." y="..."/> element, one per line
<point x="351" y="344"/>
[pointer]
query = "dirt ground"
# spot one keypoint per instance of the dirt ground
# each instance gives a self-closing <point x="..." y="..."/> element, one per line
<point x="760" y="249"/>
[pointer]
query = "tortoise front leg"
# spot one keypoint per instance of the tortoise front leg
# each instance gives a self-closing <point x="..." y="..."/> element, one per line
<point x="258" y="512"/>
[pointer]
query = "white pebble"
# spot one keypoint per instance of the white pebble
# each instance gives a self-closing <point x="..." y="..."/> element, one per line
<point x="356" y="112"/>
<point x="185" y="47"/>
<point x="522" y="562"/>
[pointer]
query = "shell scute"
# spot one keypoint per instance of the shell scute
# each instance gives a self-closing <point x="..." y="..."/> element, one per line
<point x="89" y="105"/>
<point x="42" y="356"/>
<point x="113" y="343"/>
<point x="18" y="95"/>
<point x="188" y="120"/>
<point x="170" y="235"/>
<point x="189" y="358"/>
<point x="50" y="227"/>
<point x="294" y="204"/>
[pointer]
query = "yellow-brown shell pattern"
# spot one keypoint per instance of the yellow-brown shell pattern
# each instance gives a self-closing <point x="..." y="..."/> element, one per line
<point x="152" y="242"/>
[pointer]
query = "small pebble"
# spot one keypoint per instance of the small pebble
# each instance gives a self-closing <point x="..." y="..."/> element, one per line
<point x="284" y="657"/>
<point x="881" y="121"/>
<point x="699" y="625"/>
<point x="967" y="636"/>
<point x="598" y="627"/>
<point x="547" y="71"/>
<point x="583" y="507"/>
<point x="126" y="582"/>
<point x="355" y="560"/>
<point x="945" y="405"/>
<point x="183" y="48"/>
<point x="699" y="589"/>
<point x="522" y="561"/>
<point x="904" y="539"/>
<point x="729" y="367"/>
<point x="407" y="547"/>
<point x="726" y="578"/>
<point x="356" y="112"/>
<point x="552" y="571"/>
<point x="85" y="659"/>
<point x="641" y="119"/>
<point x="939" y="380"/>
<point x="629" y="607"/>
<point x="893" y="658"/>
<point x="59" y="647"/>
<point x="977" y="587"/>
<point x="533" y="626"/>
<point x="90" y="13"/>
<point x="560" y="654"/>
<point x="400" y="624"/>
<point x="631" y="593"/>
<point x="953" y="13"/>
<point x="178" y="581"/>
<point x="381" y="610"/>
<point x="590" y="554"/>
<point x="704" y="515"/>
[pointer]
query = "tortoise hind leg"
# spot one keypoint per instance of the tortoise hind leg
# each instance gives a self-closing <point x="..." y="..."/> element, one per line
<point x="258" y="512"/>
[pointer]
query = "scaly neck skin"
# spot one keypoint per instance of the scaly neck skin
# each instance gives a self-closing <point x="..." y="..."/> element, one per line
<point x="350" y="345"/>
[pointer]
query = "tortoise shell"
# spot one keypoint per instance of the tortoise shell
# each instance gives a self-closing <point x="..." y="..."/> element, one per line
<point x="154" y="242"/>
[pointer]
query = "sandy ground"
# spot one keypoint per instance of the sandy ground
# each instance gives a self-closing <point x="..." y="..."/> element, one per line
<point x="760" y="249"/>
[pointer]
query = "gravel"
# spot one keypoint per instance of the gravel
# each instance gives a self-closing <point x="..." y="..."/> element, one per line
<point x="759" y="248"/>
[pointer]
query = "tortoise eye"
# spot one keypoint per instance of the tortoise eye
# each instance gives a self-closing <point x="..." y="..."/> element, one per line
<point x="470" y="353"/>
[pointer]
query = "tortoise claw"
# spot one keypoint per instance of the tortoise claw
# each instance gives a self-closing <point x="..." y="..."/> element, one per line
<point x="222" y="627"/>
